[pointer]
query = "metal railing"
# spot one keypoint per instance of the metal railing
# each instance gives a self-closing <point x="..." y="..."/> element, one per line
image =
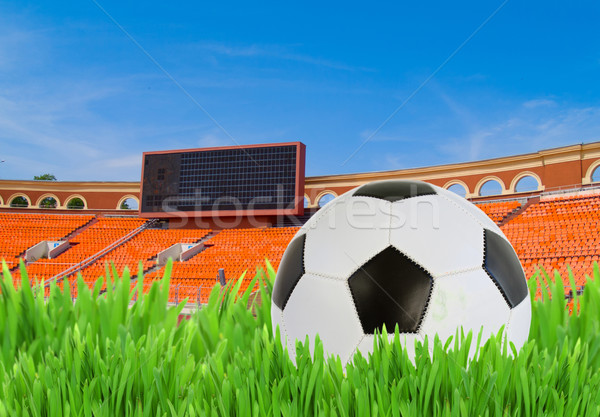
<point x="196" y="295"/>
<point x="91" y="259"/>
<point x="560" y="190"/>
<point x="521" y="200"/>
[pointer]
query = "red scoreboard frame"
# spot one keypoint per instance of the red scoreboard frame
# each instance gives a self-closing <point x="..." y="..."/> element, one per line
<point x="297" y="210"/>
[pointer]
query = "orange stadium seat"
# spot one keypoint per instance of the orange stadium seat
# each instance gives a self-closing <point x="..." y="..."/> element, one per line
<point x="552" y="233"/>
<point x="234" y="250"/>
<point x="89" y="242"/>
<point x="143" y="247"/>
<point x="498" y="211"/>
<point x="19" y="232"/>
<point x="556" y="233"/>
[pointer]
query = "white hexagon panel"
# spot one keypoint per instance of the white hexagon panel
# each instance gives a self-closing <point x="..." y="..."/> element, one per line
<point x="323" y="306"/>
<point x="471" y="209"/>
<point x="437" y="234"/>
<point x="348" y="234"/>
<point x="468" y="299"/>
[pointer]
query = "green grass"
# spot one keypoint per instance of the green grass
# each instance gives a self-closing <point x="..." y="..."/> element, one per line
<point x="99" y="356"/>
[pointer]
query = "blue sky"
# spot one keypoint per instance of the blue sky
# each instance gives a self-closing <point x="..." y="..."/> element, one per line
<point x="79" y="99"/>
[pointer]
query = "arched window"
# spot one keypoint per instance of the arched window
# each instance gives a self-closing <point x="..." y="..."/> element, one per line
<point x="19" y="202"/>
<point x="596" y="174"/>
<point x="129" y="204"/>
<point x="75" y="203"/>
<point x="49" y="202"/>
<point x="527" y="183"/>
<point x="306" y="202"/>
<point x="458" y="189"/>
<point x="325" y="198"/>
<point x="490" y="187"/>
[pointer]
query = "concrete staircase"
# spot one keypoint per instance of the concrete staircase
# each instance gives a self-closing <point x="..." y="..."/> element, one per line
<point x="156" y="268"/>
<point x="519" y="210"/>
<point x="68" y="237"/>
<point x="90" y="260"/>
<point x="81" y="229"/>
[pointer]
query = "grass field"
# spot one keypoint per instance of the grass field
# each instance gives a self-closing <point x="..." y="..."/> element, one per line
<point x="99" y="356"/>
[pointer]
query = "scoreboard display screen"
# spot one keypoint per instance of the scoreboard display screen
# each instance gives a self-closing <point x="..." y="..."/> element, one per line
<point x="255" y="179"/>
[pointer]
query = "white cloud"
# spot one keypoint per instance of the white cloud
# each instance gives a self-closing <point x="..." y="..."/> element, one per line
<point x="129" y="161"/>
<point x="56" y="129"/>
<point x="526" y="131"/>
<point x="233" y="51"/>
<point x="52" y="120"/>
<point x="540" y="102"/>
<point x="468" y="131"/>
<point x="392" y="161"/>
<point x="213" y="139"/>
<point x="19" y="47"/>
<point x="67" y="124"/>
<point x="275" y="51"/>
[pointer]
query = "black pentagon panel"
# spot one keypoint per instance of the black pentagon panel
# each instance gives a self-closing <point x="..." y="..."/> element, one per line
<point x="290" y="271"/>
<point x="394" y="190"/>
<point x="502" y="265"/>
<point x="390" y="289"/>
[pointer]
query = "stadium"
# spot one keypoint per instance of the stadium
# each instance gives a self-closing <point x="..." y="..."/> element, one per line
<point x="248" y="209"/>
<point x="85" y="333"/>
<point x="546" y="203"/>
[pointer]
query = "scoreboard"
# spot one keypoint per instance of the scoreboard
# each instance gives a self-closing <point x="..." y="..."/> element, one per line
<point x="238" y="180"/>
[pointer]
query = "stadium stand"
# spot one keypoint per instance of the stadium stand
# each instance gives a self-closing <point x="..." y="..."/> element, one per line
<point x="551" y="233"/>
<point x="92" y="240"/>
<point x="499" y="211"/>
<point x="19" y="232"/>
<point x="143" y="247"/>
<point x="556" y="232"/>
<point x="234" y="250"/>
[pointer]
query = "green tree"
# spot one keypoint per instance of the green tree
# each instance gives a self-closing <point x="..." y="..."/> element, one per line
<point x="44" y="177"/>
<point x="75" y="204"/>
<point x="129" y="204"/>
<point x="19" y="202"/>
<point x="48" y="202"/>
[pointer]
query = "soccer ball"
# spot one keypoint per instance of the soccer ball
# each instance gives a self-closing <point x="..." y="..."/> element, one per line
<point x="400" y="254"/>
